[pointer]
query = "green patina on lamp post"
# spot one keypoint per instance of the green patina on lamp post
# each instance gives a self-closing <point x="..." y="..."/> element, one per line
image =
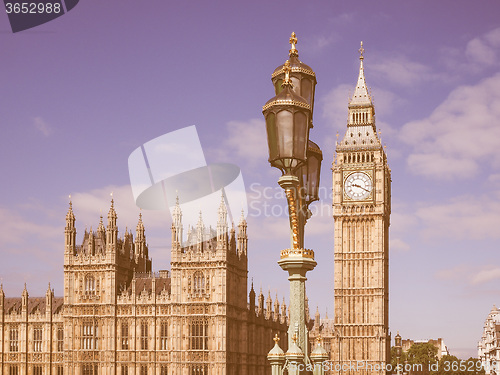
<point x="288" y="118"/>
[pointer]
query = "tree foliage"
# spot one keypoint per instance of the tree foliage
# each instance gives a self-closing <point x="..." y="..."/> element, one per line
<point x="425" y="354"/>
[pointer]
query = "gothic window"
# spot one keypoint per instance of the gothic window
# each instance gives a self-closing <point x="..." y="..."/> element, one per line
<point x="144" y="336"/>
<point x="60" y="370"/>
<point x="199" y="335"/>
<point x="163" y="335"/>
<point x="89" y="284"/>
<point x="198" y="283"/>
<point x="164" y="370"/>
<point x="60" y="340"/>
<point x="14" y="339"/>
<point x="13" y="370"/>
<point x="124" y="336"/>
<point x="124" y="370"/>
<point x="89" y="336"/>
<point x="37" y="370"/>
<point x="37" y="339"/>
<point x="199" y="370"/>
<point x="89" y="369"/>
<point x="144" y="370"/>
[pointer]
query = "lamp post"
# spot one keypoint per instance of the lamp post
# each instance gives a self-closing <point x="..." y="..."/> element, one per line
<point x="398" y="346"/>
<point x="288" y="118"/>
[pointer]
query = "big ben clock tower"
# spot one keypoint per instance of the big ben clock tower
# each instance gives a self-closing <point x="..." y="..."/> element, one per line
<point x="361" y="209"/>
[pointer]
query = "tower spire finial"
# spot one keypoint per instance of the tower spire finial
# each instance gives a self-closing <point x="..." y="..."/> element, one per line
<point x="293" y="41"/>
<point x="361" y="51"/>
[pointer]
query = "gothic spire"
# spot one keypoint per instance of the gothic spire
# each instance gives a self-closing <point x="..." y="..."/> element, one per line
<point x="70" y="216"/>
<point x="222" y="223"/>
<point x="242" y="235"/>
<point x="177" y="230"/>
<point x="112" y="229"/>
<point x="177" y="213"/>
<point x="24" y="296"/>
<point x="222" y="219"/>
<point x="361" y="97"/>
<point x="112" y="212"/>
<point x="361" y="132"/>
<point x="70" y="230"/>
<point x="140" y="228"/>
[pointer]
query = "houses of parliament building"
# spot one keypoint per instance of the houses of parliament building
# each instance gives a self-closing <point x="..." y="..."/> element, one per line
<point x="119" y="318"/>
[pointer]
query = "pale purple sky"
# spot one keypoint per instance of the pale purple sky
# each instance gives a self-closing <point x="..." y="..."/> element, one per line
<point x="79" y="94"/>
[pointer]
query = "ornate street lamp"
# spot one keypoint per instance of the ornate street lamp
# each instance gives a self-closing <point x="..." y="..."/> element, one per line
<point x="288" y="120"/>
<point x="398" y="347"/>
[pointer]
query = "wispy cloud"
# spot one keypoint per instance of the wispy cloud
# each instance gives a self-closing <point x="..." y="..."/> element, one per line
<point x="486" y="275"/>
<point x="484" y="49"/>
<point x="463" y="217"/>
<point x="459" y="134"/>
<point x="42" y="126"/>
<point x="87" y="207"/>
<point x="401" y="71"/>
<point x="397" y="244"/>
<point x="478" y="54"/>
<point x="471" y="275"/>
<point x="16" y="229"/>
<point x="245" y="143"/>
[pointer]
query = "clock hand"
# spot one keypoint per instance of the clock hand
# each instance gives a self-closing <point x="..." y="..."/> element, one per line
<point x="356" y="185"/>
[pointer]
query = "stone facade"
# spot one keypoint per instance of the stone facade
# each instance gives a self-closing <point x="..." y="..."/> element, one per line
<point x="488" y="348"/>
<point x="117" y="317"/>
<point x="362" y="207"/>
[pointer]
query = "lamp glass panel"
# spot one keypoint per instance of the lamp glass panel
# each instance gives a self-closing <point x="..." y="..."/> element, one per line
<point x="284" y="127"/>
<point x="271" y="136"/>
<point x="296" y="84"/>
<point x="313" y="169"/>
<point x="300" y="136"/>
<point x="306" y="91"/>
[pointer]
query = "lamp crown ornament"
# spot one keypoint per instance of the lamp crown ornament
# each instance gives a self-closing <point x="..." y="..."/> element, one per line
<point x="287" y="69"/>
<point x="293" y="41"/>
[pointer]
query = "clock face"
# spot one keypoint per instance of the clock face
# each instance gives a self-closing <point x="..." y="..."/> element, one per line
<point x="358" y="185"/>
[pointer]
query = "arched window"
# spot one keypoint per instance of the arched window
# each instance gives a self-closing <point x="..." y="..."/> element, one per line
<point x="199" y="334"/>
<point x="89" y="284"/>
<point x="198" y="283"/>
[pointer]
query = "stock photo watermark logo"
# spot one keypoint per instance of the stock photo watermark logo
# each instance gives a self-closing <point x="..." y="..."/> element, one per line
<point x="26" y="14"/>
<point x="172" y="168"/>
<point x="267" y="201"/>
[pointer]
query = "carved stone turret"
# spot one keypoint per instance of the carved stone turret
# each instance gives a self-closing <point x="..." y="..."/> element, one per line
<point x="251" y="297"/>
<point x="222" y="227"/>
<point x="177" y="225"/>
<point x="70" y="231"/>
<point x="242" y="235"/>
<point x="49" y="298"/>
<point x="261" y="303"/>
<point x="111" y="229"/>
